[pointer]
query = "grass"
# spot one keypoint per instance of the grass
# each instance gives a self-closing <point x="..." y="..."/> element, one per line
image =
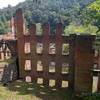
<point x="30" y="91"/>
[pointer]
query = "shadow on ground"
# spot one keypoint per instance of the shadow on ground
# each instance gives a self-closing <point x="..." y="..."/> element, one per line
<point x="40" y="91"/>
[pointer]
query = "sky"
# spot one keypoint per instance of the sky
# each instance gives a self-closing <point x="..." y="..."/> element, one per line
<point x="5" y="3"/>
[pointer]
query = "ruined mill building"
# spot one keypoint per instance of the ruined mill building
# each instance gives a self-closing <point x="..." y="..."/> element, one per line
<point x="45" y="57"/>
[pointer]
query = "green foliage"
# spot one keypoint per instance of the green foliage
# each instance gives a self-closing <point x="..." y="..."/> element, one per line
<point x="80" y="29"/>
<point x="4" y="27"/>
<point x="42" y="11"/>
<point x="95" y="6"/>
<point x="39" y="30"/>
<point x="94" y="17"/>
<point x="94" y="14"/>
<point x="89" y="96"/>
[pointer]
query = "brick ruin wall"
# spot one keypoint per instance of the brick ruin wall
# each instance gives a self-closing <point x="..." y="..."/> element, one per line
<point x="79" y="60"/>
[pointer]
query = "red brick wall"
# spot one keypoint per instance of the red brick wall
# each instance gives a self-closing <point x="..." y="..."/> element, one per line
<point x="84" y="58"/>
<point x="80" y="56"/>
<point x="58" y="58"/>
<point x="19" y="21"/>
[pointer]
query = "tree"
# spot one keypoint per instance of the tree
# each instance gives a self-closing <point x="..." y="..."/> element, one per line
<point x="94" y="11"/>
<point x="4" y="28"/>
